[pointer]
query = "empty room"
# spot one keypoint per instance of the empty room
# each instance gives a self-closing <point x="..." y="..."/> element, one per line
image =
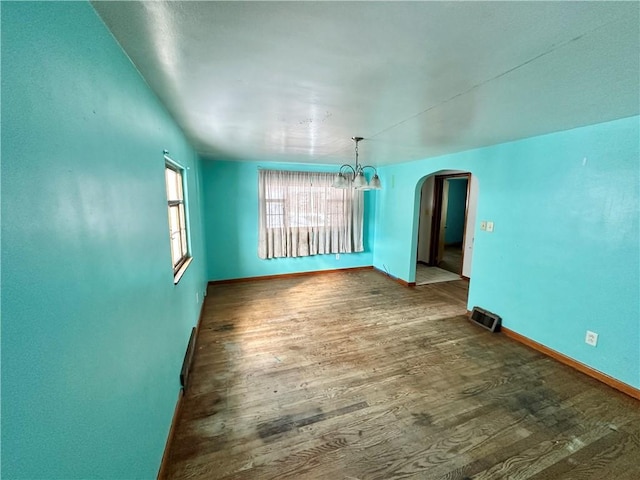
<point x="313" y="240"/>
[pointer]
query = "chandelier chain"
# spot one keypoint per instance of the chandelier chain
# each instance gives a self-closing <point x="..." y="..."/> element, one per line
<point x="356" y="154"/>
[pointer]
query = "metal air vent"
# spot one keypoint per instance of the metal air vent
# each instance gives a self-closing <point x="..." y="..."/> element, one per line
<point x="486" y="319"/>
<point x="188" y="359"/>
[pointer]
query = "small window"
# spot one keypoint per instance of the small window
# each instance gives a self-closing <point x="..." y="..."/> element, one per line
<point x="178" y="231"/>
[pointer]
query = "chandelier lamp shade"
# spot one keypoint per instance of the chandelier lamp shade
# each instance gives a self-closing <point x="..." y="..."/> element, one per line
<point x="353" y="177"/>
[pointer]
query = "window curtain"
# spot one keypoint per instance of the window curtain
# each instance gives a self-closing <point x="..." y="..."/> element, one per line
<point x="301" y="214"/>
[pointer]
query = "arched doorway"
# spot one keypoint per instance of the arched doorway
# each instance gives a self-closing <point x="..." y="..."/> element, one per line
<point x="446" y="223"/>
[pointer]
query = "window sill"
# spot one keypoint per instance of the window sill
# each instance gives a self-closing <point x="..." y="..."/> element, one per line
<point x="178" y="275"/>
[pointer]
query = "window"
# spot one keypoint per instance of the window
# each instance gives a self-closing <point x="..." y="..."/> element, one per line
<point x="178" y="231"/>
<point x="300" y="214"/>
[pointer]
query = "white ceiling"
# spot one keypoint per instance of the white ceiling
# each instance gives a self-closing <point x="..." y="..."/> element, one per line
<point x="294" y="81"/>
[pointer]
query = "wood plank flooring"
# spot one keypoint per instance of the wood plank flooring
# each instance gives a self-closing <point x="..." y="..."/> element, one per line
<point x="350" y="375"/>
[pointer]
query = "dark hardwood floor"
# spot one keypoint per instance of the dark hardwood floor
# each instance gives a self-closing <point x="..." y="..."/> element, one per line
<point x="353" y="376"/>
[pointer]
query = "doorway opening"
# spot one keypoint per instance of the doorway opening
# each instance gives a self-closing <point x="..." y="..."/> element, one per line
<point x="445" y="228"/>
<point x="448" y="222"/>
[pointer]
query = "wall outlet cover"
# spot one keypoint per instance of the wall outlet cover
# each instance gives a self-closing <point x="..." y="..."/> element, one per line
<point x="591" y="338"/>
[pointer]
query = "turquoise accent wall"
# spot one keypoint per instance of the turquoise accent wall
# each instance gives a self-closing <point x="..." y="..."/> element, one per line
<point x="93" y="329"/>
<point x="231" y="227"/>
<point x="564" y="255"/>
<point x="456" y="206"/>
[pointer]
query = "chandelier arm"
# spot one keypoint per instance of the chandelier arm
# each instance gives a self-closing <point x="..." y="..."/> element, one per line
<point x="345" y="166"/>
<point x="375" y="171"/>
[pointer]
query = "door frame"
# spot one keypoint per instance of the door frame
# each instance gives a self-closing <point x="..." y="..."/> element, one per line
<point x="436" y="220"/>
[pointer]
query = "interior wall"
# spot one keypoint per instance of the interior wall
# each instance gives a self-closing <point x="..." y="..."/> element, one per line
<point x="426" y="219"/>
<point x="231" y="211"/>
<point x="93" y="328"/>
<point x="563" y="256"/>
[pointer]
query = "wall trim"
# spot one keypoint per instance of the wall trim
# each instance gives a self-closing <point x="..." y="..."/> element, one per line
<point x="402" y="282"/>
<point x="581" y="367"/>
<point x="164" y="463"/>
<point x="287" y="275"/>
<point x="162" y="472"/>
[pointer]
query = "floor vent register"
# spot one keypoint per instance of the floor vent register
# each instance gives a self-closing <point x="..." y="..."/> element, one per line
<point x="486" y="319"/>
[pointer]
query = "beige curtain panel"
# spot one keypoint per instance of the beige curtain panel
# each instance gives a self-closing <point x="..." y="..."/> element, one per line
<point x="300" y="214"/>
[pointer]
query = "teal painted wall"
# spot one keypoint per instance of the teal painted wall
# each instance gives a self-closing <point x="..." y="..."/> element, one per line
<point x="93" y="329"/>
<point x="564" y="256"/>
<point x="231" y="226"/>
<point x="457" y="201"/>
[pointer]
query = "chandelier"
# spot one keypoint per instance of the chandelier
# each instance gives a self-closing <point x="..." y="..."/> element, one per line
<point x="355" y="178"/>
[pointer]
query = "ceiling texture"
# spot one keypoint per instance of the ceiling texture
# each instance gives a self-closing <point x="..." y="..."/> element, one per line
<point x="294" y="81"/>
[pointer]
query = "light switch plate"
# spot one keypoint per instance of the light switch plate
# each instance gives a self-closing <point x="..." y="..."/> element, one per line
<point x="489" y="226"/>
<point x="483" y="225"/>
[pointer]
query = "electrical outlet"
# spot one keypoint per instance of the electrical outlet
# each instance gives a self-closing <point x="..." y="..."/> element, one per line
<point x="489" y="226"/>
<point x="483" y="225"/>
<point x="337" y="256"/>
<point x="591" y="338"/>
